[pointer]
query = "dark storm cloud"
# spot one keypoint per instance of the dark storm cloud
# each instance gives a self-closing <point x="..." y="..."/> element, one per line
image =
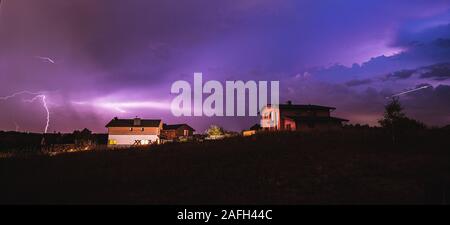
<point x="362" y="88"/>
<point x="402" y="74"/>
<point x="426" y="52"/>
<point x="437" y="72"/>
<point x="442" y="42"/>
<point x="358" y="82"/>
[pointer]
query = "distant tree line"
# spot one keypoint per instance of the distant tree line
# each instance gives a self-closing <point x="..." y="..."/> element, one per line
<point x="33" y="141"/>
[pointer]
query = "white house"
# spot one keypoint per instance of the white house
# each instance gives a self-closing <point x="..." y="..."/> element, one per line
<point x="128" y="132"/>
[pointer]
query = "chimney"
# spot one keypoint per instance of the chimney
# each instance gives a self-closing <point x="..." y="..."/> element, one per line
<point x="115" y="118"/>
<point x="137" y="121"/>
<point x="289" y="102"/>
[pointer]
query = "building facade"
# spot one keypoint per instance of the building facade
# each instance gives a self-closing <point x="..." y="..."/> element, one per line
<point x="177" y="131"/>
<point x="299" y="117"/>
<point x="131" y="132"/>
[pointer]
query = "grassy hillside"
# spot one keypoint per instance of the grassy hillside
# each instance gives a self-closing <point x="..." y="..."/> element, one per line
<point x="351" y="166"/>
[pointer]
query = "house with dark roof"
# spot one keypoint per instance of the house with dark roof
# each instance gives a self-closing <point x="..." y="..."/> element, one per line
<point x="137" y="131"/>
<point x="255" y="127"/>
<point x="299" y="117"/>
<point x="177" y="131"/>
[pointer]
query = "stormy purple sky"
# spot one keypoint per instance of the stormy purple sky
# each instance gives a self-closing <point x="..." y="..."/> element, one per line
<point x="350" y="54"/>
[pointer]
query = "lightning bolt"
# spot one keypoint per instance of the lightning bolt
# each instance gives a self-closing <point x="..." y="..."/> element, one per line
<point x="17" y="126"/>
<point x="121" y="106"/>
<point x="38" y="95"/>
<point x="2" y="2"/>
<point x="409" y="91"/>
<point x="46" y="59"/>
<point x="44" y="103"/>
<point x="19" y="93"/>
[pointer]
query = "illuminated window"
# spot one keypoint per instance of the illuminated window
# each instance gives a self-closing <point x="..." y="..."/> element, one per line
<point x="112" y="142"/>
<point x="288" y="126"/>
<point x="186" y="132"/>
<point x="131" y="129"/>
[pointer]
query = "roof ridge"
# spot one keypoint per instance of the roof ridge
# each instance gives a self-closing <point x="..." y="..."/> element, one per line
<point x="115" y="122"/>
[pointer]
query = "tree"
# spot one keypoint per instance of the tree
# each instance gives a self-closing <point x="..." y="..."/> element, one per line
<point x="83" y="137"/>
<point x="393" y="112"/>
<point x="215" y="130"/>
<point x="396" y="121"/>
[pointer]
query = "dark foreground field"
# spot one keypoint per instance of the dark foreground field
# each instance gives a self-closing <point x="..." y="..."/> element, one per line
<point x="352" y="166"/>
